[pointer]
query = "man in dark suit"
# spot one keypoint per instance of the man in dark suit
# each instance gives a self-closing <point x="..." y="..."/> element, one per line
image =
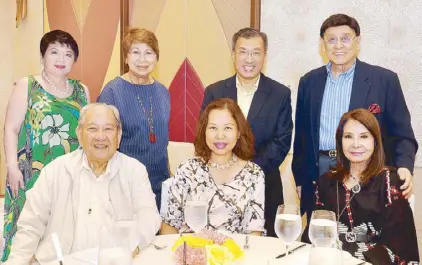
<point x="267" y="106"/>
<point x="347" y="83"/>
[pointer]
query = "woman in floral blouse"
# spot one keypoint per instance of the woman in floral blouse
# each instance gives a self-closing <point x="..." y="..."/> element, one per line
<point x="221" y="172"/>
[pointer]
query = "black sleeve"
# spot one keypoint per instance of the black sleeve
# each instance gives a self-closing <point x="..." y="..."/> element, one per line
<point x="398" y="235"/>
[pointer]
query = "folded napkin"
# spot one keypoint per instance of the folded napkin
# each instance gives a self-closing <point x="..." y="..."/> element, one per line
<point x="85" y="257"/>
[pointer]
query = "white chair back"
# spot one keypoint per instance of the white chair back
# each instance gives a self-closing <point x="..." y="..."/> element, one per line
<point x="412" y="200"/>
<point x="178" y="152"/>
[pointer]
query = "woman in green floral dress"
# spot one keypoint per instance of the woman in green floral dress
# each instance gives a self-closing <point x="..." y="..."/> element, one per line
<point x="41" y="119"/>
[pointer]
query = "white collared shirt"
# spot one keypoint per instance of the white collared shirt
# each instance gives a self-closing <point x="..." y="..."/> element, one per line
<point x="93" y="203"/>
<point x="244" y="98"/>
<point x="53" y="204"/>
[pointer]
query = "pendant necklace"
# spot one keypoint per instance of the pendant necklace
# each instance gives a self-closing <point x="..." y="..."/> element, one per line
<point x="351" y="236"/>
<point x="357" y="187"/>
<point x="150" y="117"/>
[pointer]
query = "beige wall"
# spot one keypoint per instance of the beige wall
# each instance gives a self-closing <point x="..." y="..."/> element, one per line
<point x="391" y="37"/>
<point x="182" y="34"/>
<point x="19" y="55"/>
<point x="6" y="72"/>
<point x="88" y="22"/>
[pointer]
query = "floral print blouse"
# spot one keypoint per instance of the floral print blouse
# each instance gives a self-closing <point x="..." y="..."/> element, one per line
<point x="236" y="206"/>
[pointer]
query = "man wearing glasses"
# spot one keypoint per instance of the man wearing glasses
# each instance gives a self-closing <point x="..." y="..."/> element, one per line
<point x="344" y="84"/>
<point x="267" y="106"/>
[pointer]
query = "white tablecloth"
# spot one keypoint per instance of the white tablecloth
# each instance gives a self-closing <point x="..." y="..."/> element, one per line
<point x="262" y="251"/>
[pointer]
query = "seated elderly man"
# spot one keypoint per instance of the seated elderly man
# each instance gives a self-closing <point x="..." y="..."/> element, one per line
<point x="78" y="193"/>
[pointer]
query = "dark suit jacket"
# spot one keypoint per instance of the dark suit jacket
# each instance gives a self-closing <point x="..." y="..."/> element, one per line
<point x="371" y="85"/>
<point x="270" y="117"/>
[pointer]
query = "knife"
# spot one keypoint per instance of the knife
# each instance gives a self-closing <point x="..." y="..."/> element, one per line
<point x="291" y="251"/>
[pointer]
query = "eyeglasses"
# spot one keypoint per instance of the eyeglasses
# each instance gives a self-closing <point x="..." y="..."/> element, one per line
<point x="244" y="54"/>
<point x="148" y="55"/>
<point x="343" y="39"/>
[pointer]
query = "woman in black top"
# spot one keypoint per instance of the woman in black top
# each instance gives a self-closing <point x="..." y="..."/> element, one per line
<point x="375" y="220"/>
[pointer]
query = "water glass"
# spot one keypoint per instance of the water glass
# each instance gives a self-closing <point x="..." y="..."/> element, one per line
<point x="196" y="212"/>
<point x="323" y="228"/>
<point x="288" y="224"/>
<point x="114" y="248"/>
<point x="128" y="229"/>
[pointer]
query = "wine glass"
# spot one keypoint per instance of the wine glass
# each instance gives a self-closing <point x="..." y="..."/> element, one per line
<point x="323" y="228"/>
<point x="114" y="248"/>
<point x="288" y="224"/>
<point x="196" y="212"/>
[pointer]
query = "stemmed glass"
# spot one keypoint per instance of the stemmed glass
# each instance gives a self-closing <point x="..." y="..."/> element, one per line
<point x="288" y="224"/>
<point x="196" y="212"/>
<point x="323" y="228"/>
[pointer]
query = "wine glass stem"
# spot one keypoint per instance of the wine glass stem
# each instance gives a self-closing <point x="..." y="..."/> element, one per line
<point x="287" y="250"/>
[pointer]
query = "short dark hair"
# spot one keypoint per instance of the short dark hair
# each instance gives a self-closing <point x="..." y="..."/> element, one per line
<point x="248" y="33"/>
<point x="339" y="20"/>
<point x="244" y="147"/>
<point x="377" y="161"/>
<point x="59" y="36"/>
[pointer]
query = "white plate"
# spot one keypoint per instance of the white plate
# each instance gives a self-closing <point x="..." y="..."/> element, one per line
<point x="315" y="256"/>
<point x="328" y="256"/>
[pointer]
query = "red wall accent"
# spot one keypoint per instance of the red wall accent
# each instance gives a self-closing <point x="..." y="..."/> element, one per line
<point x="186" y="95"/>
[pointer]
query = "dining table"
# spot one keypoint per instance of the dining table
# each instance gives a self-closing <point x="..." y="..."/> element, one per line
<point x="260" y="251"/>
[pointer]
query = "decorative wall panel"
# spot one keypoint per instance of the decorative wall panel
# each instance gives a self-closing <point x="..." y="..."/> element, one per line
<point x="195" y="50"/>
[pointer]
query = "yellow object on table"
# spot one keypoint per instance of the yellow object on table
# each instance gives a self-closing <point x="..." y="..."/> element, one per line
<point x="192" y="241"/>
<point x="219" y="255"/>
<point x="218" y="252"/>
<point x="234" y="248"/>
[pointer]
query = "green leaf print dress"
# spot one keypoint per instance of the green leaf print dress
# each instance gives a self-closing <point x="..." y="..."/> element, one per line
<point x="48" y="131"/>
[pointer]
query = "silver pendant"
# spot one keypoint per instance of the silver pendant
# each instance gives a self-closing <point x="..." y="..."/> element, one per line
<point x="350" y="237"/>
<point x="356" y="188"/>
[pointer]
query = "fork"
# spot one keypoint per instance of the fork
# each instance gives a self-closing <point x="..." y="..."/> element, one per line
<point x="246" y="245"/>
<point x="158" y="247"/>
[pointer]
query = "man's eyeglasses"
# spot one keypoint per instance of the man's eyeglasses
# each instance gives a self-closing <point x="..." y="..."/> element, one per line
<point x="244" y="54"/>
<point x="343" y="39"/>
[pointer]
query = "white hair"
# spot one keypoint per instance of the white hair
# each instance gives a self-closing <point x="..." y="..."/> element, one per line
<point x="84" y="110"/>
